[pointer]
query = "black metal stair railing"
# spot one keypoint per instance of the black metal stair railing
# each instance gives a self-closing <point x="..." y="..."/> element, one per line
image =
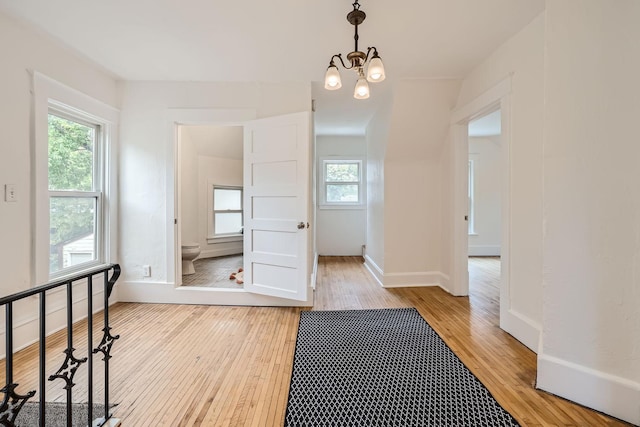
<point x="13" y="402"/>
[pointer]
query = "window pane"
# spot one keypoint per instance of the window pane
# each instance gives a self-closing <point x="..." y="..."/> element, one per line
<point x="342" y="172"/>
<point x="228" y="223"/>
<point x="227" y="199"/>
<point x="342" y="193"/>
<point x="72" y="229"/>
<point x="71" y="151"/>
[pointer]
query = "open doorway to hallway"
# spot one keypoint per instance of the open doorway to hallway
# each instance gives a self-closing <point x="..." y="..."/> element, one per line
<point x="484" y="214"/>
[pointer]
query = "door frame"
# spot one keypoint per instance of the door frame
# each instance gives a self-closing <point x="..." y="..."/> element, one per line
<point x="188" y="117"/>
<point x="172" y="292"/>
<point x="497" y="97"/>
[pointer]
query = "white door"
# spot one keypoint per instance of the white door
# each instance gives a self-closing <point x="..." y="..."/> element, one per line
<point x="276" y="205"/>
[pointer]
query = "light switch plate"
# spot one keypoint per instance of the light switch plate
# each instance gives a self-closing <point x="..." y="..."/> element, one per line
<point x="10" y="194"/>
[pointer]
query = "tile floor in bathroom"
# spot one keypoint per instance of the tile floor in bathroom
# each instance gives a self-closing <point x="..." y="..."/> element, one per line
<point x="214" y="272"/>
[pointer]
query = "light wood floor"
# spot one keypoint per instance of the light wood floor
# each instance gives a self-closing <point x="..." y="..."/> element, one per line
<point x="179" y="365"/>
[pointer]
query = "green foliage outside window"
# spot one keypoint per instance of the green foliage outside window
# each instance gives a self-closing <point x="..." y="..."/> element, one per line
<point x="342" y="172"/>
<point x="71" y="163"/>
<point x="71" y="147"/>
<point x="342" y="182"/>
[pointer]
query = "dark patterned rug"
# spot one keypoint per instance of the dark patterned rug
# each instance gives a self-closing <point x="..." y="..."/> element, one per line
<point x="382" y="368"/>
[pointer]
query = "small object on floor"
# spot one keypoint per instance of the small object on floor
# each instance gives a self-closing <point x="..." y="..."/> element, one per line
<point x="238" y="277"/>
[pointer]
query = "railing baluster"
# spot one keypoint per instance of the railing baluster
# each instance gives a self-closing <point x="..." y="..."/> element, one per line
<point x="70" y="349"/>
<point x="42" y="362"/>
<point x="9" y="342"/>
<point x="90" y="352"/>
<point x="107" y="356"/>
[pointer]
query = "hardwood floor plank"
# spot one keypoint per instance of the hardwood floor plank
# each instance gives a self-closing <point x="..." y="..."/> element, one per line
<point x="190" y="365"/>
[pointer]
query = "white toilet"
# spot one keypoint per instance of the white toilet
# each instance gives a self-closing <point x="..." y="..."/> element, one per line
<point x="190" y="251"/>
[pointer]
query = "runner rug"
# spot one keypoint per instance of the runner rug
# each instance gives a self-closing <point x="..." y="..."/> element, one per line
<point x="382" y="368"/>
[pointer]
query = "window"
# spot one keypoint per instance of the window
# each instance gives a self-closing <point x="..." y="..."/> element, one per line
<point x="73" y="136"/>
<point x="75" y="191"/>
<point x="226" y="211"/>
<point x="342" y="183"/>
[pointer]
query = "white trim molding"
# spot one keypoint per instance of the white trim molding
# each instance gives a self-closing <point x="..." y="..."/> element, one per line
<point x="373" y="268"/>
<point x="314" y="271"/>
<point x="167" y="293"/>
<point x="406" y="279"/>
<point x="213" y="253"/>
<point x="521" y="328"/>
<point x="603" y="392"/>
<point x="414" y="279"/>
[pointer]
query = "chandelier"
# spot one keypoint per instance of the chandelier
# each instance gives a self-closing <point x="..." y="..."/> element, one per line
<point x="357" y="62"/>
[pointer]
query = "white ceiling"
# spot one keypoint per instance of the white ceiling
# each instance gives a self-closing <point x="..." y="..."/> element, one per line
<point x="278" y="40"/>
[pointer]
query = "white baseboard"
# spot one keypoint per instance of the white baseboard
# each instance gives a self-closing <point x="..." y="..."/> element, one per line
<point x="413" y="279"/>
<point x="405" y="280"/>
<point x="167" y="293"/>
<point x="212" y="253"/>
<point x="484" y="250"/>
<point x="520" y="327"/>
<point x="606" y="393"/>
<point x="314" y="272"/>
<point x="373" y="268"/>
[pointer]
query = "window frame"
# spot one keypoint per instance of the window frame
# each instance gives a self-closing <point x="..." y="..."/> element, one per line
<point x="52" y="97"/>
<point x="324" y="184"/>
<point x="96" y="193"/>
<point x="211" y="226"/>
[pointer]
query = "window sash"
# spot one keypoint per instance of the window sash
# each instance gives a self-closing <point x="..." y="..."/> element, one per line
<point x="95" y="193"/>
<point x="97" y="231"/>
<point x="212" y="216"/>
<point x="326" y="182"/>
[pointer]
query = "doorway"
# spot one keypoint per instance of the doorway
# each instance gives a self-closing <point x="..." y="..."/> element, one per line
<point x="211" y="221"/>
<point x="485" y="171"/>
<point x="497" y="98"/>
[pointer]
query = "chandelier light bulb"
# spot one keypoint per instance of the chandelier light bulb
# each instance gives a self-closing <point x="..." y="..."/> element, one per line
<point x="375" y="71"/>
<point x="362" y="88"/>
<point x="332" y="79"/>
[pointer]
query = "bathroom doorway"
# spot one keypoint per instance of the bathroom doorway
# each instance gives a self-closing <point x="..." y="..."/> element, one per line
<point x="211" y="205"/>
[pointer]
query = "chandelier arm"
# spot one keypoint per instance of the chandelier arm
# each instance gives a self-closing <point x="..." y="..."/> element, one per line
<point x="339" y="56"/>
<point x="369" y="49"/>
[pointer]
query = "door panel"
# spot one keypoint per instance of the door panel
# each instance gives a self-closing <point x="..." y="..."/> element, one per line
<point x="276" y="192"/>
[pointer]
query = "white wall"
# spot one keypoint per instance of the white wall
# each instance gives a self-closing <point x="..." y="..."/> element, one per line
<point x="485" y="152"/>
<point x="521" y="58"/>
<point x="377" y="135"/>
<point x="24" y="50"/>
<point x="340" y="231"/>
<point x="145" y="165"/>
<point x="188" y="188"/>
<point x="405" y="232"/>
<point x="413" y="213"/>
<point x="591" y="342"/>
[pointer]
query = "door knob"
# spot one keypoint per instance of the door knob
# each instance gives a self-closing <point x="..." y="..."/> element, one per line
<point x="301" y="225"/>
